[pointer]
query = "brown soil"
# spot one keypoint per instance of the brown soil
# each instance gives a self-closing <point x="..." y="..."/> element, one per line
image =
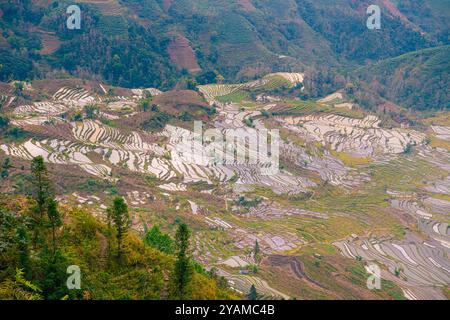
<point x="393" y="10"/>
<point x="59" y="131"/>
<point x="246" y="5"/>
<point x="295" y="267"/>
<point x="167" y="4"/>
<point x="177" y="98"/>
<point x="182" y="55"/>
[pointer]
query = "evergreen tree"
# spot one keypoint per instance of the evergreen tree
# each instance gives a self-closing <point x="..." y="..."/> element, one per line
<point x="54" y="266"/>
<point x="91" y="111"/>
<point x="54" y="219"/>
<point x="18" y="89"/>
<point x="6" y="165"/>
<point x="24" y="253"/>
<point x="118" y="215"/>
<point x="183" y="267"/>
<point x="41" y="193"/>
<point x="252" y="295"/>
<point x="256" y="251"/>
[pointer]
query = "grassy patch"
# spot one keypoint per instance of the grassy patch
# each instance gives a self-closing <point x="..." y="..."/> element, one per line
<point x="441" y="196"/>
<point x="439" y="143"/>
<point x="349" y="160"/>
<point x="439" y="119"/>
<point x="236" y="97"/>
<point x="300" y="108"/>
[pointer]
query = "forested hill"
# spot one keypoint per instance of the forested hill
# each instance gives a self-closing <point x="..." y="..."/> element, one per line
<point x="153" y="43"/>
<point x="43" y="242"/>
<point x="418" y="78"/>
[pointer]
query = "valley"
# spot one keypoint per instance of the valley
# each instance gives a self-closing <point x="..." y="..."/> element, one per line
<point x="225" y="150"/>
<point x="348" y="191"/>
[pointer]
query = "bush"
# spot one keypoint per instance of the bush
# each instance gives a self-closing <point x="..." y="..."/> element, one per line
<point x="156" y="122"/>
<point x="90" y="111"/>
<point x="159" y="240"/>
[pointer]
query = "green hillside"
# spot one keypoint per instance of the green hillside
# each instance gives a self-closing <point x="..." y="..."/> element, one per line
<point x="418" y="79"/>
<point x="126" y="42"/>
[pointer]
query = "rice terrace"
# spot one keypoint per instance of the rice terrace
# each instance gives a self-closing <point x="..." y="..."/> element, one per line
<point x="225" y="150"/>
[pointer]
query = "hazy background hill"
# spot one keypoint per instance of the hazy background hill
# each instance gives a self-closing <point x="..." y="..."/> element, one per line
<point x="144" y="43"/>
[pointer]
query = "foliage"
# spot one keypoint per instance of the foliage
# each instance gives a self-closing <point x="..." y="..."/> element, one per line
<point x="228" y="43"/>
<point x="42" y="194"/>
<point x="6" y="165"/>
<point x="159" y="240"/>
<point x="243" y="202"/>
<point x="91" y="111"/>
<point x="54" y="220"/>
<point x="416" y="80"/>
<point x="157" y="122"/>
<point x="10" y="132"/>
<point x="19" y="288"/>
<point x="252" y="295"/>
<point x="145" y="104"/>
<point x="183" y="267"/>
<point x="118" y="215"/>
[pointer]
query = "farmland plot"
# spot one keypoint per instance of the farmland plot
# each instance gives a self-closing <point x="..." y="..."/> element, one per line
<point x="358" y="137"/>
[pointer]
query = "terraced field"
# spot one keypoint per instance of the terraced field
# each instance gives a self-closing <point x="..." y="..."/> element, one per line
<point x="358" y="137"/>
<point x="329" y="193"/>
<point x="420" y="267"/>
<point x="213" y="92"/>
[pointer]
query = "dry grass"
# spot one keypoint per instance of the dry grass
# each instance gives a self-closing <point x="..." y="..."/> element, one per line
<point x="440" y="119"/>
<point x="439" y="143"/>
<point x="349" y="160"/>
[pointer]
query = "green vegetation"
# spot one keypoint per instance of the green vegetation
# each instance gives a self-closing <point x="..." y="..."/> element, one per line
<point x="6" y="165"/>
<point x="252" y="295"/>
<point x="414" y="79"/>
<point x="235" y="97"/>
<point x="245" y="203"/>
<point x="41" y="237"/>
<point x="257" y="252"/>
<point x="157" y="122"/>
<point x="301" y="108"/>
<point x="91" y="111"/>
<point x="10" y="132"/>
<point x="119" y="217"/>
<point x="183" y="265"/>
<point x="232" y="44"/>
<point x="249" y="122"/>
<point x="146" y="105"/>
<point x="34" y="267"/>
<point x="350" y="161"/>
<point x="161" y="241"/>
<point x="42" y="193"/>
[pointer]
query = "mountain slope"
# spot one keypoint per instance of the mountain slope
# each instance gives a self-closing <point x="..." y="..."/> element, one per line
<point x="127" y="42"/>
<point x="417" y="80"/>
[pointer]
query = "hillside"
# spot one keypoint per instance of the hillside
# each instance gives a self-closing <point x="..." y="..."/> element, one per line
<point x="417" y="79"/>
<point x="154" y="43"/>
<point x="225" y="149"/>
<point x="351" y="187"/>
<point x="32" y="272"/>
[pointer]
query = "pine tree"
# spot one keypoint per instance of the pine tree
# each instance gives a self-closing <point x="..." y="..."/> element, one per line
<point x="5" y="168"/>
<point x="256" y="251"/>
<point x="54" y="219"/>
<point x="41" y="193"/>
<point x="24" y="253"/>
<point x="183" y="267"/>
<point x="252" y="295"/>
<point x="118" y="215"/>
